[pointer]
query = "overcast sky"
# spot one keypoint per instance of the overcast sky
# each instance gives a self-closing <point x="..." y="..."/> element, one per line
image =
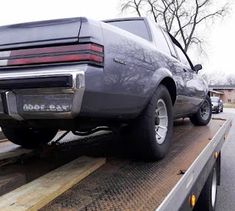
<point x="220" y="44"/>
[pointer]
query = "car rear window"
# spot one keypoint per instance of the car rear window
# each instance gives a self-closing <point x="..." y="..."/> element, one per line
<point x="137" y="27"/>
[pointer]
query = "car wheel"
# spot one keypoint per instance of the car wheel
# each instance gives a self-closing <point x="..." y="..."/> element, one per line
<point x="207" y="198"/>
<point x="152" y="130"/>
<point x="29" y="138"/>
<point x="203" y="115"/>
<point x="222" y="109"/>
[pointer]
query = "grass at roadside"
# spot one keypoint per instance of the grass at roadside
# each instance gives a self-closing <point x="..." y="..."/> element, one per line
<point x="229" y="105"/>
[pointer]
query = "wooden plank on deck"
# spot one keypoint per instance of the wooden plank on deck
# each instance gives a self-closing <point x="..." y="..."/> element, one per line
<point x="3" y="140"/>
<point x="14" y="153"/>
<point x="41" y="191"/>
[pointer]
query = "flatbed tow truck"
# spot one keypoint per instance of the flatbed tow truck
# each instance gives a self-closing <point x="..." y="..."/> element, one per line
<point x="186" y="179"/>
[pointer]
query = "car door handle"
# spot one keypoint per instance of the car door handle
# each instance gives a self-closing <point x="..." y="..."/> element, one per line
<point x="185" y="70"/>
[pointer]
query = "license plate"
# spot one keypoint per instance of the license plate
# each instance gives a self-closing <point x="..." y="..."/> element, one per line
<point x="45" y="103"/>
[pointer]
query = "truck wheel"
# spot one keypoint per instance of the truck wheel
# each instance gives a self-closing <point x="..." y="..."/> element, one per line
<point x="208" y="196"/>
<point x="29" y="138"/>
<point x="203" y="115"/>
<point x="152" y="130"/>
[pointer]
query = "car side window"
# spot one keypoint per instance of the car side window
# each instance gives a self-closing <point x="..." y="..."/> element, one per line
<point x="182" y="57"/>
<point x="160" y="41"/>
<point x="170" y="44"/>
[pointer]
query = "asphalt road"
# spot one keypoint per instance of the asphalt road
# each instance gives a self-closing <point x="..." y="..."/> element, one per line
<point x="226" y="191"/>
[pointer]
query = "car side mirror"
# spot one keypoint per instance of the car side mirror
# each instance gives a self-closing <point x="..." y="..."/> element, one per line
<point x="197" y="67"/>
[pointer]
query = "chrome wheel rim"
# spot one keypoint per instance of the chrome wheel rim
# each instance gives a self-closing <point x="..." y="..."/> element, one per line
<point x="161" y="121"/>
<point x="214" y="188"/>
<point x="205" y="110"/>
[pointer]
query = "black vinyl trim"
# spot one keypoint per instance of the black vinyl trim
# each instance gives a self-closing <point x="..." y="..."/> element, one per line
<point x="41" y="82"/>
<point x="4" y="103"/>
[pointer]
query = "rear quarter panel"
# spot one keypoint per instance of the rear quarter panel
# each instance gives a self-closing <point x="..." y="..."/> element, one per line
<point x="133" y="68"/>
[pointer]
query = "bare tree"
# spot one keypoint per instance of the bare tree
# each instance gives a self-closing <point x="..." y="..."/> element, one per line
<point x="181" y="18"/>
<point x="134" y="4"/>
<point x="218" y="77"/>
<point x="230" y="79"/>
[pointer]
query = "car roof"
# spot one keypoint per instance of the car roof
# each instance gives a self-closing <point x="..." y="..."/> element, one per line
<point x="124" y="19"/>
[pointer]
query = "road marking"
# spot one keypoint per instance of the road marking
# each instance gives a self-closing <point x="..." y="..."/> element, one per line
<point x="41" y="191"/>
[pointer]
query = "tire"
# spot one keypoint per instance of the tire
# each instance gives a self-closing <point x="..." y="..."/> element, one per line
<point x="29" y="138"/>
<point x="217" y="111"/>
<point x="148" y="144"/>
<point x="203" y="115"/>
<point x="208" y="196"/>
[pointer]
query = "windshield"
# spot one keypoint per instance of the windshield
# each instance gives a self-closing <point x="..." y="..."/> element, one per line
<point x="214" y="99"/>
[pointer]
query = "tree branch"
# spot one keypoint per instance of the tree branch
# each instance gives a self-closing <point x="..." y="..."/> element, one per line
<point x="217" y="13"/>
<point x="180" y="17"/>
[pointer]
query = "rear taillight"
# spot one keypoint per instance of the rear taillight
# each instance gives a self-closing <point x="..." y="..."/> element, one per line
<point x="87" y="53"/>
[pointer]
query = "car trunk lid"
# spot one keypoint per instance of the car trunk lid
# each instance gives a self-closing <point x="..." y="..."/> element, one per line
<point x="40" y="33"/>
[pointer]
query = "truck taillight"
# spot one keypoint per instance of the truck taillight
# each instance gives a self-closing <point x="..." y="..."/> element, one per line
<point x="87" y="53"/>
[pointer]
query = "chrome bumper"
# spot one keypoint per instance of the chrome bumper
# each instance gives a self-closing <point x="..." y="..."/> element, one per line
<point x="44" y="102"/>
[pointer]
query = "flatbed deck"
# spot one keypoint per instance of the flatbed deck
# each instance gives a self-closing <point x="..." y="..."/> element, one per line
<point x="124" y="184"/>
